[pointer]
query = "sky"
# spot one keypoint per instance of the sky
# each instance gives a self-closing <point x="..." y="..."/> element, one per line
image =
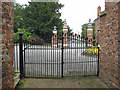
<point x="77" y="12"/>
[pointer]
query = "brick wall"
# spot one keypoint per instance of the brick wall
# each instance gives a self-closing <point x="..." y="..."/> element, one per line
<point x="119" y="45"/>
<point x="110" y="46"/>
<point x="97" y="27"/>
<point x="7" y="51"/>
<point x="97" y="24"/>
<point x="0" y="46"/>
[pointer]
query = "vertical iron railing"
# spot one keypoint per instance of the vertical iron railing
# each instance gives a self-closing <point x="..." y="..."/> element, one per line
<point x="86" y="41"/>
<point x="21" y="54"/>
<point x="98" y="61"/>
<point x="62" y="55"/>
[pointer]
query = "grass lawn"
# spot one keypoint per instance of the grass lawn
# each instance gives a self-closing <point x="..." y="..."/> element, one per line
<point x="80" y="42"/>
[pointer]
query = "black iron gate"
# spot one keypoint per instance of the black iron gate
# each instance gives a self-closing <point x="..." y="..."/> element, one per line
<point x="42" y="61"/>
<point x="81" y="58"/>
<point x="60" y="56"/>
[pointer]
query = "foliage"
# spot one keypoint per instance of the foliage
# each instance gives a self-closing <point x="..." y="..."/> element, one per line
<point x="36" y="41"/>
<point x="80" y="42"/>
<point x="15" y="74"/>
<point x="84" y="29"/>
<point x="21" y="83"/>
<point x="18" y="17"/>
<point x="35" y="36"/>
<point x="69" y="30"/>
<point x="94" y="42"/>
<point x="91" y="51"/>
<point x="39" y="18"/>
<point x="26" y="35"/>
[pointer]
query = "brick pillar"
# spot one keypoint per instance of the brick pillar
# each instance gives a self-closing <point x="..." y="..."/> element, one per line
<point x="90" y="31"/>
<point x="6" y="44"/>
<point x="65" y="32"/>
<point x="54" y="38"/>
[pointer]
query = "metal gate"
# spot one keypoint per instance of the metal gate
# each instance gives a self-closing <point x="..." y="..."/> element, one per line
<point x="42" y="61"/>
<point x="59" y="57"/>
<point x="81" y="58"/>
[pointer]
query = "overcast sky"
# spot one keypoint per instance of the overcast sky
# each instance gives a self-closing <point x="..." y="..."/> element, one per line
<point x="77" y="12"/>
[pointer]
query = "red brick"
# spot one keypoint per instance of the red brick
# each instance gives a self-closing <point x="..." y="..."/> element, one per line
<point x="3" y="31"/>
<point x="6" y="41"/>
<point x="7" y="21"/>
<point x="108" y="37"/>
<point x="11" y="23"/>
<point x="2" y="52"/>
<point x="12" y="27"/>
<point x="7" y="35"/>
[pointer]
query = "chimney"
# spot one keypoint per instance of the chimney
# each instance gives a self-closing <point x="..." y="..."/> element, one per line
<point x="98" y="11"/>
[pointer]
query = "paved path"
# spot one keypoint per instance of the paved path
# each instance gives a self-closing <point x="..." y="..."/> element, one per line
<point x="81" y="82"/>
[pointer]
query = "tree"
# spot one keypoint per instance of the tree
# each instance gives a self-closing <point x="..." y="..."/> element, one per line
<point x="85" y="27"/>
<point x="18" y="17"/>
<point x="39" y="18"/>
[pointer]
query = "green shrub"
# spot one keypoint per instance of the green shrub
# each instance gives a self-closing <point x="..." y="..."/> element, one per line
<point x="26" y="35"/>
<point x="21" y="83"/>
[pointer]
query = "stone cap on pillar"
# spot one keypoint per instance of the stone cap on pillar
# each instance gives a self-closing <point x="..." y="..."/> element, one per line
<point x="55" y="30"/>
<point x="65" y="27"/>
<point x="90" y="25"/>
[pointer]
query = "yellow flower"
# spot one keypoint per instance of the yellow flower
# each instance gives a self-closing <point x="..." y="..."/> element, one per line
<point x="92" y="50"/>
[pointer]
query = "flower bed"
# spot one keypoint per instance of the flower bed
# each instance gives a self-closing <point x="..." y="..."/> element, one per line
<point x="91" y="51"/>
